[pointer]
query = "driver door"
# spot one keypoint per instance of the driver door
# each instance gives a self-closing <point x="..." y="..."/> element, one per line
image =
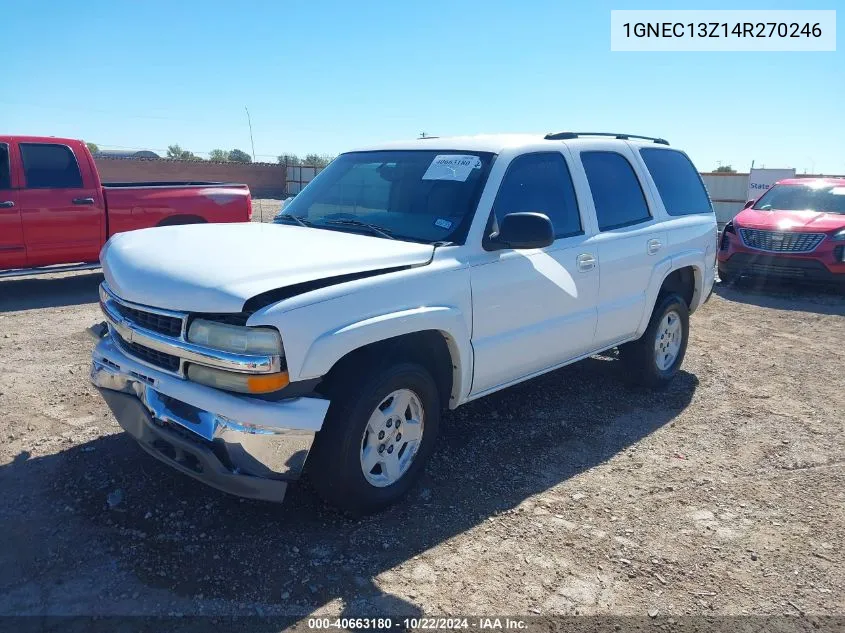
<point x="534" y="309"/>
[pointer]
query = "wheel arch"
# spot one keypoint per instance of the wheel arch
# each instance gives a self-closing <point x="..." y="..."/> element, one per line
<point x="683" y="274"/>
<point x="436" y="337"/>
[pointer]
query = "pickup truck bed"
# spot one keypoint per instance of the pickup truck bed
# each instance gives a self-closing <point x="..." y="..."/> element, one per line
<point x="55" y="212"/>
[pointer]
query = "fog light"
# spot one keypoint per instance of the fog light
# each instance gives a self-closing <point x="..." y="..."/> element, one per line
<point x="235" y="381"/>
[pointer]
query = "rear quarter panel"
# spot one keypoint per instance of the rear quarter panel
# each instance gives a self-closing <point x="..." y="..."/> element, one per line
<point x="131" y="208"/>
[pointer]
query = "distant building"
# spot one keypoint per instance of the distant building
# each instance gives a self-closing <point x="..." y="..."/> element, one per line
<point x="126" y="153"/>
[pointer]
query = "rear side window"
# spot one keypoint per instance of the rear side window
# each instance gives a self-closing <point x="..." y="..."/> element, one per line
<point x="617" y="194"/>
<point x="49" y="166"/>
<point x="678" y="183"/>
<point x="540" y="182"/>
<point x="5" y="174"/>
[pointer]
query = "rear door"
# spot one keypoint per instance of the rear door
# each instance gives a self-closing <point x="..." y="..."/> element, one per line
<point x="60" y="206"/>
<point x="12" y="249"/>
<point x="630" y="242"/>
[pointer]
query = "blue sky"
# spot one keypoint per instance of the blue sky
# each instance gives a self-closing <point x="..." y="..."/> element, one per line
<point x="325" y="76"/>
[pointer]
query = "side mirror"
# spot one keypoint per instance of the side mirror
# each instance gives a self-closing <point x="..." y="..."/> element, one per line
<point x="523" y="230"/>
<point x="748" y="204"/>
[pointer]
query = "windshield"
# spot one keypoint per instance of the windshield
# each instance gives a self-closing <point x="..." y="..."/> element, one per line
<point x="422" y="196"/>
<point x="812" y="197"/>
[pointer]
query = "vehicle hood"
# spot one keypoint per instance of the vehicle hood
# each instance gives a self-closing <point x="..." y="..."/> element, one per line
<point x="815" y="221"/>
<point x="217" y="267"/>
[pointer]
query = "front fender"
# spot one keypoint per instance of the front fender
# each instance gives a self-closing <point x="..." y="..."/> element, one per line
<point x="333" y="345"/>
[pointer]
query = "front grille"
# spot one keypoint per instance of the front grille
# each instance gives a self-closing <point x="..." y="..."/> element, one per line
<point x="781" y="241"/>
<point x="151" y="356"/>
<point x="790" y="272"/>
<point x="168" y="325"/>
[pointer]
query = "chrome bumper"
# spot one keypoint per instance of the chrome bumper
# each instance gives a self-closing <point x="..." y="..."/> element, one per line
<point x="241" y="445"/>
<point x="180" y="347"/>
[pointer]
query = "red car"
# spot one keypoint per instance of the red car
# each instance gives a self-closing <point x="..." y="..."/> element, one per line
<point x="55" y="214"/>
<point x="796" y="230"/>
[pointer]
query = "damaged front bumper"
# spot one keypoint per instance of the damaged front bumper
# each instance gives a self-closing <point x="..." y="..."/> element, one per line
<point x="244" y="446"/>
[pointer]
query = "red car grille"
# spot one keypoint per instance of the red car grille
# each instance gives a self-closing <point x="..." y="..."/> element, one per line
<point x="780" y="241"/>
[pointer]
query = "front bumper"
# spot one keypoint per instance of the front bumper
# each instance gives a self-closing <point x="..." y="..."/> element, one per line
<point x="772" y="266"/>
<point x="240" y="445"/>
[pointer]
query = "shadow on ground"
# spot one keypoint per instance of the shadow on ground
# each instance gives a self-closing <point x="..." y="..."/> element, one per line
<point x="48" y="292"/>
<point x="174" y="534"/>
<point x="783" y="295"/>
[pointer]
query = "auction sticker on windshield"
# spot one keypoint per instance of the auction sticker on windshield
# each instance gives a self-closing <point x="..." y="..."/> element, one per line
<point x="452" y="167"/>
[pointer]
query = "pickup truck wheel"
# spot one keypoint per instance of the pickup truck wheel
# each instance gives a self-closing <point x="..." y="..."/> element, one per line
<point x="655" y="358"/>
<point x="376" y="438"/>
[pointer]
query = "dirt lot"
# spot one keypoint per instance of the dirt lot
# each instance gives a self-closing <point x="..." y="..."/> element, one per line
<point x="571" y="493"/>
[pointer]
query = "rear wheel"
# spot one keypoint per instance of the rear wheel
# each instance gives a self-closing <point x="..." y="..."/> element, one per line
<point x="376" y="438"/>
<point x="655" y="358"/>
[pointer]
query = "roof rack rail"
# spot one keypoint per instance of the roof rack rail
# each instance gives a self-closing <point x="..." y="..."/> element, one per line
<point x="563" y="136"/>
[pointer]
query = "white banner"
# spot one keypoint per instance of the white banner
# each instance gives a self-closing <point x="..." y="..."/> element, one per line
<point x="760" y="180"/>
<point x="722" y="30"/>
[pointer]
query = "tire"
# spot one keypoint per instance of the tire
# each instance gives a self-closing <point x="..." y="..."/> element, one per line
<point x="650" y="362"/>
<point x="336" y="465"/>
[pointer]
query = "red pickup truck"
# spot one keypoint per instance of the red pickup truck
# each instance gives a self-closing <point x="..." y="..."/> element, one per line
<point x="55" y="214"/>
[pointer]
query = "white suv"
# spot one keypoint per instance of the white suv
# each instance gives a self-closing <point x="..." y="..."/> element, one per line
<point x="405" y="280"/>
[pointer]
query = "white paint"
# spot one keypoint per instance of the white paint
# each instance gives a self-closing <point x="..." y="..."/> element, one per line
<point x="505" y="315"/>
<point x="217" y="267"/>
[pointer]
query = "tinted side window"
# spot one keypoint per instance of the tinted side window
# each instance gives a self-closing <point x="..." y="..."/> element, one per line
<point x="5" y="174"/>
<point x="48" y="166"/>
<point x="540" y="182"/>
<point x="616" y="191"/>
<point x="678" y="183"/>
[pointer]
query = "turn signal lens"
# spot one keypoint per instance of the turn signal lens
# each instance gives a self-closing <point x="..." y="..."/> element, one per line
<point x="265" y="383"/>
<point x="239" y="382"/>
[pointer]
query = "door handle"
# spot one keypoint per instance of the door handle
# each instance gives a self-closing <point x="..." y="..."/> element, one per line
<point x="8" y="204"/>
<point x="654" y="246"/>
<point x="83" y="201"/>
<point x="586" y="261"/>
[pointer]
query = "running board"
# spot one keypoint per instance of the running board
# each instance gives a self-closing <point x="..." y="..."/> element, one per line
<point x="46" y="270"/>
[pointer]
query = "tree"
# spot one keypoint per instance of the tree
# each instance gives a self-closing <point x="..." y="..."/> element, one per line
<point x="92" y="147"/>
<point x="239" y="156"/>
<point x="289" y="159"/>
<point x="725" y="169"/>
<point x="218" y="155"/>
<point x="174" y="151"/>
<point x="318" y="160"/>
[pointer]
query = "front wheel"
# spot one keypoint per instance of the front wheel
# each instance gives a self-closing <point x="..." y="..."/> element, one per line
<point x="376" y="438"/>
<point x="655" y="358"/>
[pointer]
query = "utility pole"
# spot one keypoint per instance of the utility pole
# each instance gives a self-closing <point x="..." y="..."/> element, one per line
<point x="249" y="120"/>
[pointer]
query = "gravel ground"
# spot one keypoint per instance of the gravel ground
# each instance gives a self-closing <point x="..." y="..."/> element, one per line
<point x="571" y="493"/>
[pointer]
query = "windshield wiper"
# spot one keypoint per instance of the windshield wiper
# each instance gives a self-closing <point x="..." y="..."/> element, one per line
<point x="373" y="228"/>
<point x="299" y="220"/>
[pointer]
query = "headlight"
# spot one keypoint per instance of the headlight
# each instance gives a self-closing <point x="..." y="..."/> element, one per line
<point x="839" y="236"/>
<point x="234" y="381"/>
<point x="235" y="338"/>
